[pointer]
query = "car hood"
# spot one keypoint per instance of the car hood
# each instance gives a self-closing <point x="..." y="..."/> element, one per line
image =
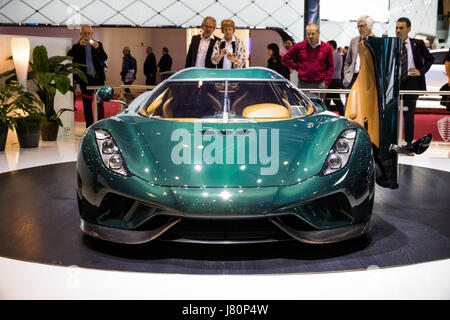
<point x="196" y="154"/>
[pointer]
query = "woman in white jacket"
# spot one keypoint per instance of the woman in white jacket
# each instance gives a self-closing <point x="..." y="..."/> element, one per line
<point x="229" y="52"/>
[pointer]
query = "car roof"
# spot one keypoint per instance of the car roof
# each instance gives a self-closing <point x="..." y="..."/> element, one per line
<point x="254" y="73"/>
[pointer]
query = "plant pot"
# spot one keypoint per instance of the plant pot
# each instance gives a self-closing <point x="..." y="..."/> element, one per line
<point x="3" y="135"/>
<point x="49" y="131"/>
<point x="28" y="136"/>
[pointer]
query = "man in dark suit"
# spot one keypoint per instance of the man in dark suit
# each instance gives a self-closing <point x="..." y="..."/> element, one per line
<point x="165" y="63"/>
<point x="202" y="45"/>
<point x="150" y="68"/>
<point x="415" y="61"/>
<point x="89" y="52"/>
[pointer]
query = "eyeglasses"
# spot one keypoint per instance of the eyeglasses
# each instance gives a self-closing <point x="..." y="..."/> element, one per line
<point x="361" y="26"/>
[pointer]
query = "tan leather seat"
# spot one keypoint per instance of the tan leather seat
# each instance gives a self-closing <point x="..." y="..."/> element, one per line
<point x="168" y="108"/>
<point x="265" y="110"/>
<point x="156" y="103"/>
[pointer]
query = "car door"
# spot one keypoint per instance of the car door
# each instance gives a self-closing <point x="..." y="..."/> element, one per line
<point x="373" y="103"/>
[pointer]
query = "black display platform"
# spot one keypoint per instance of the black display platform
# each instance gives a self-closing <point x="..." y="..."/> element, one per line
<point x="39" y="222"/>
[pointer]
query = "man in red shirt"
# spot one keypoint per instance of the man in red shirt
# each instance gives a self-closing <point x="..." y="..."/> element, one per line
<point x="313" y="59"/>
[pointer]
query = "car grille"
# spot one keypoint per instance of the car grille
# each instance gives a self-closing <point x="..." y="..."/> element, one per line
<point x="201" y="230"/>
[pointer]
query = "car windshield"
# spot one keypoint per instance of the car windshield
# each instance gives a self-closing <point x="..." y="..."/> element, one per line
<point x="227" y="100"/>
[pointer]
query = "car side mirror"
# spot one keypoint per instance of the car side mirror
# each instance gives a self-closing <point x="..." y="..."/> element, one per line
<point x="318" y="103"/>
<point x="421" y="145"/>
<point x="105" y="93"/>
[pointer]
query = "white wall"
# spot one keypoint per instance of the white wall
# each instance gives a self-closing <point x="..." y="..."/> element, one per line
<point x="422" y="13"/>
<point x="260" y="40"/>
<point x="55" y="47"/>
<point x="138" y="39"/>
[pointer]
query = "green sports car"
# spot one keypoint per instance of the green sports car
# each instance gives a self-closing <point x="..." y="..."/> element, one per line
<point x="237" y="156"/>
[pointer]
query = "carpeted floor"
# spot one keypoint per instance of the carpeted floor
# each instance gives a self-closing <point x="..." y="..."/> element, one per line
<point x="111" y="108"/>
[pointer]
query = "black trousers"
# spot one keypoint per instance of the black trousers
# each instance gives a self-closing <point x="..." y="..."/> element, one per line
<point x="87" y="103"/>
<point x="151" y="81"/>
<point x="336" y="98"/>
<point x="355" y="76"/>
<point x="128" y="83"/>
<point x="410" y="101"/>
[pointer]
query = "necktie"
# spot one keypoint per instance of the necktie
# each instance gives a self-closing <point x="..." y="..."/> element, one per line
<point x="89" y="60"/>
<point x="404" y="65"/>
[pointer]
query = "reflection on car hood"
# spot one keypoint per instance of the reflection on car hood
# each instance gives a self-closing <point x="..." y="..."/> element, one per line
<point x="195" y="154"/>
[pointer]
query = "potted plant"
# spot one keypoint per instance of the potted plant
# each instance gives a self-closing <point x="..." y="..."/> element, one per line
<point x="19" y="109"/>
<point x="50" y="74"/>
<point x="28" y="126"/>
<point x="6" y="108"/>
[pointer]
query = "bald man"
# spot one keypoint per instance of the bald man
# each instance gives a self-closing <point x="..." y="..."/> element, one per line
<point x="312" y="58"/>
<point x="90" y="52"/>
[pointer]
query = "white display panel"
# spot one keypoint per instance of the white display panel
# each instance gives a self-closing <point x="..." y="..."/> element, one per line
<point x="351" y="10"/>
<point x="285" y="14"/>
<point x="338" y="16"/>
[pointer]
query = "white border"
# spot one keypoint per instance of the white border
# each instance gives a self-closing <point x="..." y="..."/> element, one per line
<point x="26" y="280"/>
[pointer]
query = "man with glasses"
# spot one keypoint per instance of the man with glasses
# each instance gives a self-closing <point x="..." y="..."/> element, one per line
<point x="352" y="61"/>
<point x="89" y="52"/>
<point x="202" y="45"/>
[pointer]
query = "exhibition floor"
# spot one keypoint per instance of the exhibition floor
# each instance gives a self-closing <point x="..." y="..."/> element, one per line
<point x="406" y="255"/>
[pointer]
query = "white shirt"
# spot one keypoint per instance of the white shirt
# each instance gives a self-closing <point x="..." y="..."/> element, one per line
<point x="411" y="64"/>
<point x="358" y="59"/>
<point x="203" y="50"/>
<point x="229" y="46"/>
<point x="314" y="46"/>
<point x="357" y="63"/>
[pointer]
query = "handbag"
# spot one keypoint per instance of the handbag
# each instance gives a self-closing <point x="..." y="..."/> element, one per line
<point x="445" y="100"/>
<point x="129" y="77"/>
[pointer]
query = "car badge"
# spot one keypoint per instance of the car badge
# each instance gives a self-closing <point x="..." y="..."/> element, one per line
<point x="444" y="128"/>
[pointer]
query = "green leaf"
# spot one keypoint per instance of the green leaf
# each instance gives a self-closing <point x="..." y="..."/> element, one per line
<point x="15" y="102"/>
<point x="51" y="91"/>
<point x="80" y="74"/>
<point x="58" y="68"/>
<point x="74" y="65"/>
<point x="44" y="78"/>
<point x="7" y="73"/>
<point x="62" y="83"/>
<point x="56" y="60"/>
<point x="61" y="111"/>
<point x="40" y="59"/>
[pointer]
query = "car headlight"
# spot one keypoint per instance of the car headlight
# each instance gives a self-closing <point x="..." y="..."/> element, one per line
<point x="340" y="153"/>
<point x="110" y="153"/>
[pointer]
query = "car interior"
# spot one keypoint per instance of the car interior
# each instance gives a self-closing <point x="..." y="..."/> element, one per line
<point x="189" y="100"/>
